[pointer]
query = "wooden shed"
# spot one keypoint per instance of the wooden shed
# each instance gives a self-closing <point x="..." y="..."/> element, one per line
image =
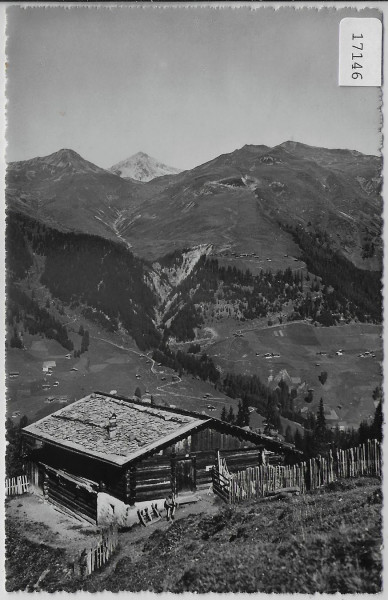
<point x="132" y="452"/>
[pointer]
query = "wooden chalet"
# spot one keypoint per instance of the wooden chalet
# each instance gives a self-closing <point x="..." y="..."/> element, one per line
<point x="130" y="452"/>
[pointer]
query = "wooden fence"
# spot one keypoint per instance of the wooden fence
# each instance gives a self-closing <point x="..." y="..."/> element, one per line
<point x="340" y="464"/>
<point x="221" y="479"/>
<point x="257" y="482"/>
<point x="16" y="486"/>
<point x="93" y="559"/>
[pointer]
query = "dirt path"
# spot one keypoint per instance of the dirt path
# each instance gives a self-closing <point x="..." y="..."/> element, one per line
<point x="41" y="523"/>
<point x="132" y="541"/>
<point x="160" y="388"/>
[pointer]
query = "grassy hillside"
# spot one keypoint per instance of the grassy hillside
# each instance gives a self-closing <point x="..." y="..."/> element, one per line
<point x="351" y="378"/>
<point x="112" y="362"/>
<point x="328" y="541"/>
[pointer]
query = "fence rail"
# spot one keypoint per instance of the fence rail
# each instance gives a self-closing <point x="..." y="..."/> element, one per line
<point x="16" y="486"/>
<point x="93" y="559"/>
<point x="257" y="482"/>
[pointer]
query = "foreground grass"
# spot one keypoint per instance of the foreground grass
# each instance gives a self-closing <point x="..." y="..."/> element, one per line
<point x="329" y="541"/>
<point x="324" y="542"/>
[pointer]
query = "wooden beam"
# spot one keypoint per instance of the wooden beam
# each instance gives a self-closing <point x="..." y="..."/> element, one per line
<point x="173" y="473"/>
<point x="194" y="466"/>
<point x="130" y="485"/>
<point x="45" y="486"/>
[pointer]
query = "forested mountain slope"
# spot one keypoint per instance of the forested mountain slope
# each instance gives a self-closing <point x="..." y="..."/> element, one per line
<point x="103" y="277"/>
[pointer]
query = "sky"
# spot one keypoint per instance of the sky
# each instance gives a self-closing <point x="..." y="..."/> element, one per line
<point x="183" y="85"/>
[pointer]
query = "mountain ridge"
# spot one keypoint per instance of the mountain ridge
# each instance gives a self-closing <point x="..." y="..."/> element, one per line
<point x="63" y="158"/>
<point x="327" y="189"/>
<point x="66" y="191"/>
<point x="240" y="201"/>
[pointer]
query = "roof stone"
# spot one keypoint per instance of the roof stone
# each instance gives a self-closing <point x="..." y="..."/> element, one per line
<point x="85" y="425"/>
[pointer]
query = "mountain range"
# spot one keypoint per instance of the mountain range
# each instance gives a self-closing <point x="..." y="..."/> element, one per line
<point x="241" y="202"/>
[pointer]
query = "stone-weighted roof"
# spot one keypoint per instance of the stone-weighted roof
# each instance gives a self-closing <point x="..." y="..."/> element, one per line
<point x="82" y="426"/>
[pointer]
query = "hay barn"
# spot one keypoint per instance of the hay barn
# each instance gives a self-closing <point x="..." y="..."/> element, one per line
<point x="105" y="453"/>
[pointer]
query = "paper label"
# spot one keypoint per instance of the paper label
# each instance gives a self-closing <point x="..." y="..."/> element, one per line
<point x="360" y="52"/>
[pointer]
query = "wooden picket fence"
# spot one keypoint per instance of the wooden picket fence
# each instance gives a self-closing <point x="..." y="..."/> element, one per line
<point x="257" y="482"/>
<point x="360" y="461"/>
<point x="98" y="556"/>
<point x="16" y="486"/>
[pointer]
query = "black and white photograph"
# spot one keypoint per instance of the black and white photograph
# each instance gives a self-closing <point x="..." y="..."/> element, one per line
<point x="193" y="298"/>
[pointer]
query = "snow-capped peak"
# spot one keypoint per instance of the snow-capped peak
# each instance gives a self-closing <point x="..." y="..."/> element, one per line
<point x="142" y="167"/>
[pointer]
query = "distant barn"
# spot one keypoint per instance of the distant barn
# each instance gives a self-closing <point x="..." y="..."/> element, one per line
<point x="108" y="451"/>
<point x="48" y="365"/>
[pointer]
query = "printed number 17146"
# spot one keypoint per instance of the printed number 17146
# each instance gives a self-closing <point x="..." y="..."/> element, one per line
<point x="356" y="74"/>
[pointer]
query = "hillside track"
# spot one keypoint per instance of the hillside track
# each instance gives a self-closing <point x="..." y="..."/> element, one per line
<point x="164" y="388"/>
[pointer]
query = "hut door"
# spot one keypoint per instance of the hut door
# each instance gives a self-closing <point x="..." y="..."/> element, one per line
<point x="185" y="474"/>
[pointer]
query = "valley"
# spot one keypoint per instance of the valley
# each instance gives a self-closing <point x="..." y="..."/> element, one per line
<point x="112" y="362"/>
<point x="236" y="256"/>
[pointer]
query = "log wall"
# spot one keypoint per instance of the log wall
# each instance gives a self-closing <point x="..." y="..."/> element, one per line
<point x="83" y="466"/>
<point x="68" y="495"/>
<point x="211" y="439"/>
<point x="115" y="484"/>
<point x="242" y="458"/>
<point x="153" y="478"/>
<point x="155" y="475"/>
